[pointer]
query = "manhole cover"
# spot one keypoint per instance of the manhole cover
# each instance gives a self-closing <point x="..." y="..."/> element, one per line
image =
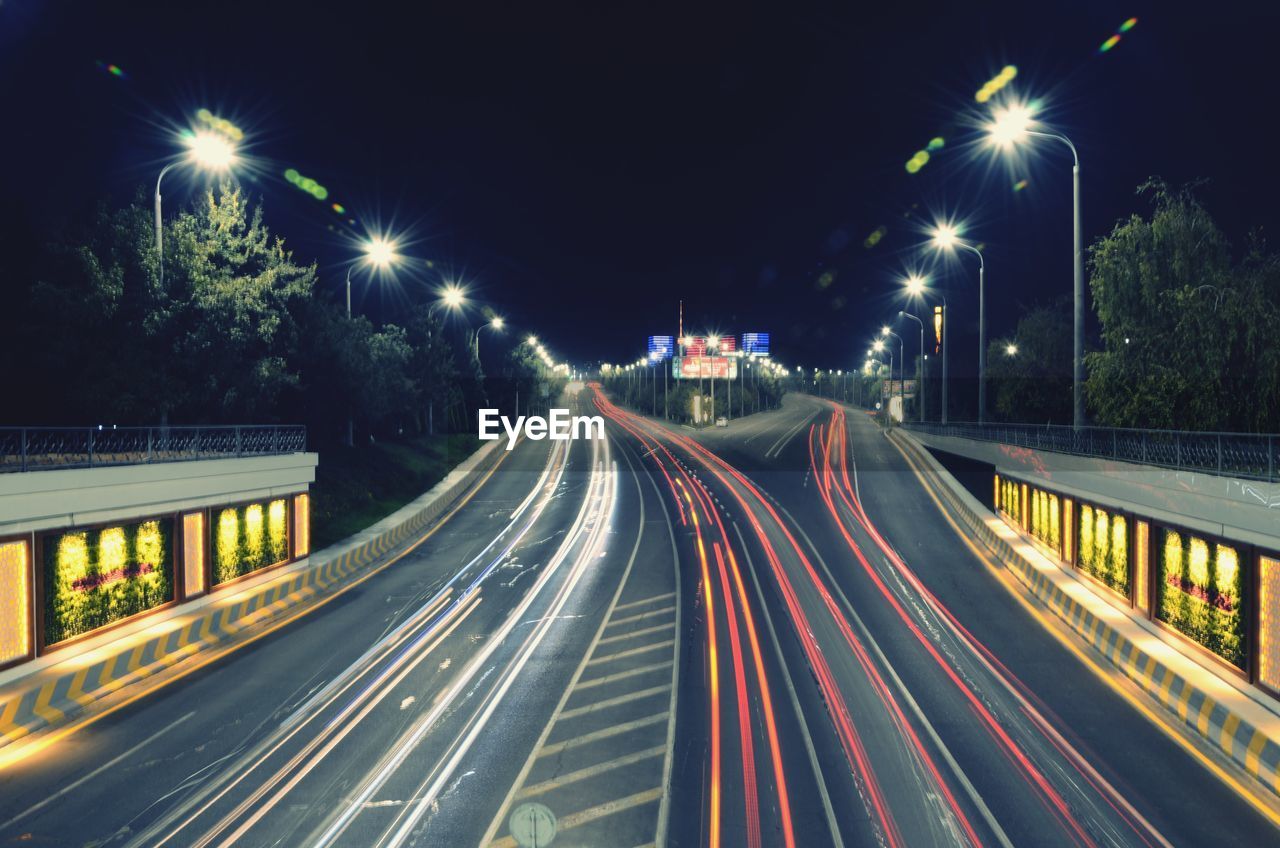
<point x="532" y="826"/>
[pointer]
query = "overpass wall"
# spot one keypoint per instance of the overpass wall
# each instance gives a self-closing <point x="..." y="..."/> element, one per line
<point x="87" y="550"/>
<point x="1195" y="555"/>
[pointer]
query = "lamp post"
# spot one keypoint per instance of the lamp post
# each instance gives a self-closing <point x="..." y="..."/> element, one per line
<point x="1008" y="126"/>
<point x="713" y="342"/>
<point x="206" y="150"/>
<point x="917" y="286"/>
<point x="495" y="323"/>
<point x="945" y="237"/>
<point x="922" y="359"/>
<point x="379" y="253"/>
<point x="902" y="376"/>
<point x="881" y="347"/>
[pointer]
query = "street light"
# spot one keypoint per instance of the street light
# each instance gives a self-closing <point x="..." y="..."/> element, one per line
<point x="207" y="151"/>
<point x="902" y="376"/>
<point x="713" y="342"/>
<point x="903" y="314"/>
<point x="1009" y="126"/>
<point x="946" y="237"/>
<point x="494" y="323"/>
<point x="1011" y="349"/>
<point x="918" y="286"/>
<point x="380" y="253"/>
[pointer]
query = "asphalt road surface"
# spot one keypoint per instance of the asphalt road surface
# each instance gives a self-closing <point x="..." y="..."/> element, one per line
<point x="765" y="634"/>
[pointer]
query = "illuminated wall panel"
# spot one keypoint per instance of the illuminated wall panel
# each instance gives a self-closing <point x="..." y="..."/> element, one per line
<point x="248" y="538"/>
<point x="193" y="554"/>
<point x="15" y="602"/>
<point x="95" y="577"/>
<point x="1200" y="593"/>
<point x="1269" y="622"/>
<point x="1102" y="540"/>
<point x="1142" y="564"/>
<point x="301" y="525"/>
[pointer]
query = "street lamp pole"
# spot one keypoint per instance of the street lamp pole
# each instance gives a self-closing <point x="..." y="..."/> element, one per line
<point x="922" y="361"/>
<point x="902" y="376"/>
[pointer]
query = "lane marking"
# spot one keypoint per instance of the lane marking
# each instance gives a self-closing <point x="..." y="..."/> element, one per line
<point x="616" y="701"/>
<point x="99" y="770"/>
<point x="590" y="771"/>
<point x="642" y="616"/>
<point x="622" y="675"/>
<point x="592" y="813"/>
<point x="643" y="601"/>
<point x="603" y="733"/>
<point x="645" y="631"/>
<point x="631" y="652"/>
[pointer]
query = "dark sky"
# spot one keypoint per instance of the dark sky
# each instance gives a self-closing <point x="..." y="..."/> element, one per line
<point x="584" y="168"/>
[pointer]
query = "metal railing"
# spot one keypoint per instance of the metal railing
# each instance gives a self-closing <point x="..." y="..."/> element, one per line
<point x="1252" y="456"/>
<point x="37" y="448"/>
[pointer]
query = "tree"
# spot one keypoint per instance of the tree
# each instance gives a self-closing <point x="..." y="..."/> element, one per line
<point x="1188" y="335"/>
<point x="1033" y="385"/>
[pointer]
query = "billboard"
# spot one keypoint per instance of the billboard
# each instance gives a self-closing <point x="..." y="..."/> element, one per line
<point x="661" y="347"/>
<point x="695" y="345"/>
<point x="755" y="344"/>
<point x="892" y="388"/>
<point x="728" y="344"/>
<point x="704" y="367"/>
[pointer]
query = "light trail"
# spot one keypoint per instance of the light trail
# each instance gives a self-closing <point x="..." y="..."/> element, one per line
<point x="835" y="444"/>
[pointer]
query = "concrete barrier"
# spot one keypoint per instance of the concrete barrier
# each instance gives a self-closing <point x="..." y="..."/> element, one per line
<point x="1234" y="722"/>
<point x="56" y="692"/>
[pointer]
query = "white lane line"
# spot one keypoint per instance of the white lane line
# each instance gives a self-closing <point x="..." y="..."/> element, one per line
<point x="622" y="675"/>
<point x="809" y="748"/>
<point x="604" y="733"/>
<point x="644" y="631"/>
<point x="590" y="771"/>
<point x="576" y="682"/>
<point x="596" y="706"/>
<point x="641" y="616"/>
<point x="962" y="778"/>
<point x="776" y="449"/>
<point x="631" y="652"/>
<point x="111" y="763"/>
<point x="643" y="601"/>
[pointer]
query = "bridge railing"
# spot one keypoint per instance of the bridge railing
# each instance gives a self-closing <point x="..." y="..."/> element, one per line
<point x="1252" y="456"/>
<point x="36" y="448"/>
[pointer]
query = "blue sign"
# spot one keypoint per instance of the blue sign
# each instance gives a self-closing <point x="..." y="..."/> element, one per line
<point x="661" y="347"/>
<point x="755" y="344"/>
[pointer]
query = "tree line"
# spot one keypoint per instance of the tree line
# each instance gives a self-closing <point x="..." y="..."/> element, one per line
<point x="235" y="330"/>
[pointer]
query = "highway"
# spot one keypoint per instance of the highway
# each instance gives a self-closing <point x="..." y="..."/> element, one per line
<point x="764" y="634"/>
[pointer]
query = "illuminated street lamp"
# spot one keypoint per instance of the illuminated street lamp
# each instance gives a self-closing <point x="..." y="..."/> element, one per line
<point x="380" y="254"/>
<point x="1011" y="349"/>
<point x="1009" y="126"/>
<point x="713" y="342"/>
<point x="494" y="323"/>
<point x="946" y="237"/>
<point x="902" y="376"/>
<point x="207" y="151"/>
<point x="918" y="286"/>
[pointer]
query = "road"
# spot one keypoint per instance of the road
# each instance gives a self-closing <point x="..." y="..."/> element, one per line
<point x="765" y="634"/>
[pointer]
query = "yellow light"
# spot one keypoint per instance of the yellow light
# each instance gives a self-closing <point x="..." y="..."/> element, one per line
<point x="15" y="602"/>
<point x="945" y="235"/>
<point x="879" y="345"/>
<point x="1011" y="349"/>
<point x="1009" y="124"/>
<point x="497" y="323"/>
<point x="533" y="340"/>
<point x="193" y="553"/>
<point x="211" y="150"/>
<point x="915" y="285"/>
<point x="884" y="331"/>
<point x="301" y="525"/>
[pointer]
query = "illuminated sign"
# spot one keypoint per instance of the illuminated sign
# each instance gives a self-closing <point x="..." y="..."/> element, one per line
<point x="727" y="344"/>
<point x="937" y="328"/>
<point x="755" y="344"/>
<point x="704" y="367"/>
<point x="661" y="347"/>
<point x="694" y="345"/>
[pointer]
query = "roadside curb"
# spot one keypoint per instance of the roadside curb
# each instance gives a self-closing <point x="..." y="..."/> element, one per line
<point x="1225" y="730"/>
<point x="66" y="689"/>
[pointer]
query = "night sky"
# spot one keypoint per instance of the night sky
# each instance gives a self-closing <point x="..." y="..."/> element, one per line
<point x="584" y="168"/>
